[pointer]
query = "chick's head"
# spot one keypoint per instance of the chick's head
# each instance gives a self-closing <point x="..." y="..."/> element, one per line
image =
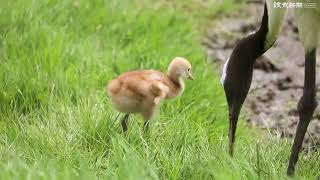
<point x="180" y="68"/>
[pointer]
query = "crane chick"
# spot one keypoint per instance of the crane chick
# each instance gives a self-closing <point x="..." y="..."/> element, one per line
<point x="141" y="91"/>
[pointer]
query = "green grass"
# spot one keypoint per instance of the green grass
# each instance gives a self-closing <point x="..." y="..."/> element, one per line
<point x="56" y="122"/>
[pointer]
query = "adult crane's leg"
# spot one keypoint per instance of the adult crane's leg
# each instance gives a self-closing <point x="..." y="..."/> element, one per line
<point x="306" y="107"/>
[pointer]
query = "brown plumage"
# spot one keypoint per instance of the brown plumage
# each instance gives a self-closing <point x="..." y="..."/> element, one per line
<point x="141" y="91"/>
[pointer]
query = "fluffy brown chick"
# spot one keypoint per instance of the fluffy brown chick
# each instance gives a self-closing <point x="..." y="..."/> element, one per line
<point x="141" y="91"/>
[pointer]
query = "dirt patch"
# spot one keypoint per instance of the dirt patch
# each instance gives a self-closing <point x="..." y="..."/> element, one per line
<point x="278" y="74"/>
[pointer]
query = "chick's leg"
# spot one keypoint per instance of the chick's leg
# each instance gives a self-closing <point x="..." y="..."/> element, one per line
<point x="124" y="122"/>
<point x="147" y="115"/>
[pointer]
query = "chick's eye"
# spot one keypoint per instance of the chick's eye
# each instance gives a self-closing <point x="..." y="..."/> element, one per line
<point x="189" y="69"/>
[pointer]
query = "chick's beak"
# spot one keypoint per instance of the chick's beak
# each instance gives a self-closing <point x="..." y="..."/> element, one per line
<point x="190" y="76"/>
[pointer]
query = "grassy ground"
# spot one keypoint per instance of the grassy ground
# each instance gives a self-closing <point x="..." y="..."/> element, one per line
<point x="56" y="121"/>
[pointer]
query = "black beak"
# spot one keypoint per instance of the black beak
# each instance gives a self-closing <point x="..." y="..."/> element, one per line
<point x="234" y="111"/>
<point x="239" y="73"/>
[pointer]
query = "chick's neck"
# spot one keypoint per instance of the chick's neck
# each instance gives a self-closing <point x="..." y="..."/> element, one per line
<point x="177" y="80"/>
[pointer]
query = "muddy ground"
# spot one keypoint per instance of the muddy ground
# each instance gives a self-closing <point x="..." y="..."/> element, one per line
<point x="278" y="75"/>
